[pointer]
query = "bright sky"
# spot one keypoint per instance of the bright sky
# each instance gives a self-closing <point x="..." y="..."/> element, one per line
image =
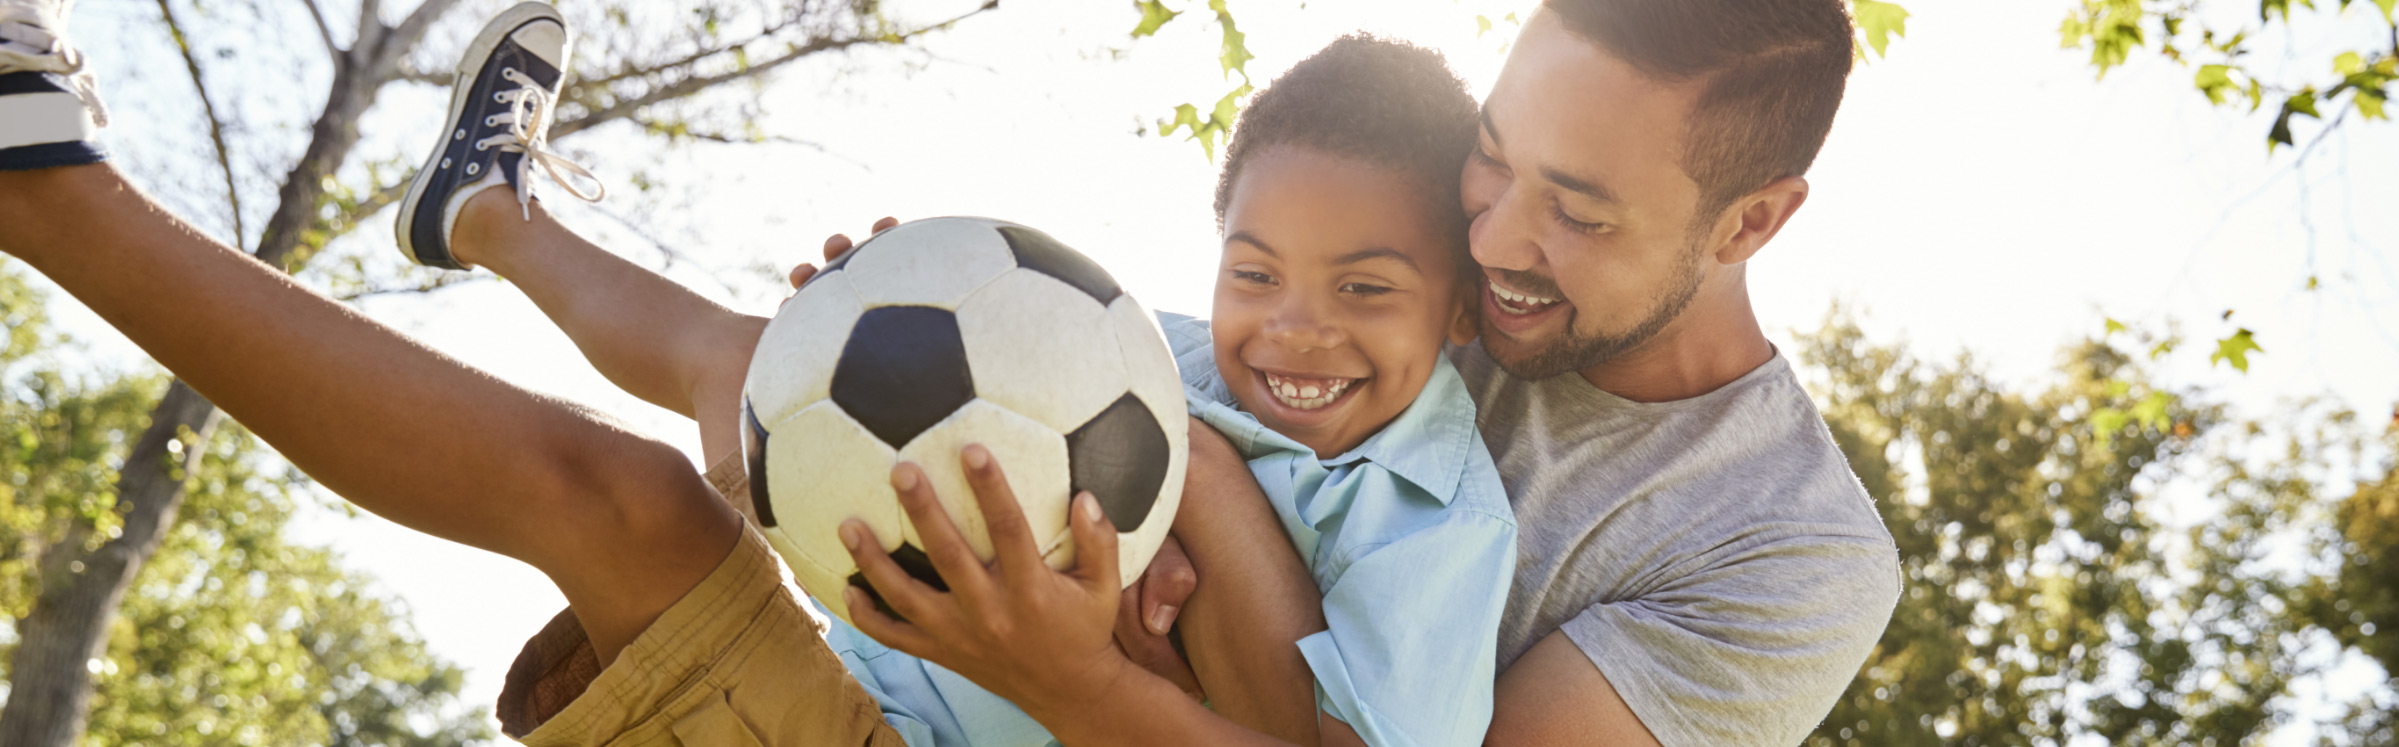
<point x="1981" y="192"/>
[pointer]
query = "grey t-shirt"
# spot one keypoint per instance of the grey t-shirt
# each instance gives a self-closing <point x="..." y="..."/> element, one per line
<point x="1714" y="556"/>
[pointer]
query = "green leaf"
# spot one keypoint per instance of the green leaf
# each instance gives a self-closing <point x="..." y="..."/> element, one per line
<point x="2161" y="349"/>
<point x="2349" y="63"/>
<point x="2369" y="104"/>
<point x="2235" y="350"/>
<point x="2151" y="410"/>
<point x="1879" y="21"/>
<point x="1153" y="15"/>
<point x="1236" y="55"/>
<point x="1482" y="25"/>
<point x="2106" y="422"/>
<point x="2114" y="326"/>
<point x="2214" y="80"/>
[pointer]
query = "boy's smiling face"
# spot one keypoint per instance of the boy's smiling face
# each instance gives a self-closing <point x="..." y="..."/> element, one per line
<point x="1338" y="286"/>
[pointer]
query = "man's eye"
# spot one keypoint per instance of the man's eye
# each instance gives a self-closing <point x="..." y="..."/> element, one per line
<point x="1483" y="157"/>
<point x="1581" y="227"/>
<point x="1364" y="289"/>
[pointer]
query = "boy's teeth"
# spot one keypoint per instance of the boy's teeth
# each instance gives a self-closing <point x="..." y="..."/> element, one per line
<point x="1306" y="394"/>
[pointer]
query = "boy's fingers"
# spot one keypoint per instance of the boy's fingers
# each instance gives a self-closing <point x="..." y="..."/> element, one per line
<point x="1003" y="518"/>
<point x="952" y="558"/>
<point x="886" y="224"/>
<point x="1095" y="546"/>
<point x="902" y="592"/>
<point x="903" y="637"/>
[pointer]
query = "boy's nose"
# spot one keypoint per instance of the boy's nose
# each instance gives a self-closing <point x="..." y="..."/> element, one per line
<point x="1300" y="325"/>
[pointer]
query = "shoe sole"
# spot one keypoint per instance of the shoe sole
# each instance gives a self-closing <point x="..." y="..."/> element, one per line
<point x="478" y="52"/>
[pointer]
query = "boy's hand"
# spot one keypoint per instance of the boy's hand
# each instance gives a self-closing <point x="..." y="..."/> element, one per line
<point x="1038" y="637"/>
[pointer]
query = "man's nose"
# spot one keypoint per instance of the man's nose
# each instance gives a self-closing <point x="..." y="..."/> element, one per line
<point x="1501" y="236"/>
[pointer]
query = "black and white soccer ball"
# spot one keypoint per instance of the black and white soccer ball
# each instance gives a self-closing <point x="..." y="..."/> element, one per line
<point x="944" y="332"/>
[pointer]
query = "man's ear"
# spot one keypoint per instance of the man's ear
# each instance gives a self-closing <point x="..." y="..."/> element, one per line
<point x="1759" y="216"/>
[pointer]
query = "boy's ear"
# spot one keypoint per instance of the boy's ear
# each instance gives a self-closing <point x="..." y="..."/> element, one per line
<point x="1468" y="321"/>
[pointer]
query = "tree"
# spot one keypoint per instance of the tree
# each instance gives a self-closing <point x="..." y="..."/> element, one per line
<point x="230" y="634"/>
<point x="2358" y="78"/>
<point x="2047" y="598"/>
<point x="663" y="70"/>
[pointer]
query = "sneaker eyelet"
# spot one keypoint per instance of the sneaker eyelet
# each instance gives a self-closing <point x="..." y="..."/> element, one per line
<point x="472" y="168"/>
<point x="460" y="136"/>
<point x="500" y="96"/>
<point x="491" y="121"/>
<point x="482" y="146"/>
<point x="445" y="163"/>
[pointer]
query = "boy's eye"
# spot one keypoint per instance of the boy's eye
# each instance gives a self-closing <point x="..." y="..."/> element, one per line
<point x="1364" y="289"/>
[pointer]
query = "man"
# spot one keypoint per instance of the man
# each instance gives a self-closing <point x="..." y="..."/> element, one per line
<point x="1696" y="565"/>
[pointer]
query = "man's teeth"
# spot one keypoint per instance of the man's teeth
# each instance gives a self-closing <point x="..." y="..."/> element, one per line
<point x="1306" y="394"/>
<point x="1519" y="303"/>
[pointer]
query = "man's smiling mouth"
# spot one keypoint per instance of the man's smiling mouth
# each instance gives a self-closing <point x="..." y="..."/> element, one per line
<point x="1519" y="303"/>
<point x="1305" y="393"/>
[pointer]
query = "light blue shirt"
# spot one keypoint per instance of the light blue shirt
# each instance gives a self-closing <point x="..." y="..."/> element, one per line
<point x="1409" y="537"/>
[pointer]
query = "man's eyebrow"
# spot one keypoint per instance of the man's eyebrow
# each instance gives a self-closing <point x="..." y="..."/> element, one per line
<point x="1380" y="252"/>
<point x="1244" y="237"/>
<point x="1585" y="187"/>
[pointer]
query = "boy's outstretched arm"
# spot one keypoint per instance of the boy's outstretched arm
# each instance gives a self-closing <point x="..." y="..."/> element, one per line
<point x="620" y="522"/>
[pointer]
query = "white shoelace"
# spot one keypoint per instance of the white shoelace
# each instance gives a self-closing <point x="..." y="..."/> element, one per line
<point x="528" y="120"/>
<point x="26" y="45"/>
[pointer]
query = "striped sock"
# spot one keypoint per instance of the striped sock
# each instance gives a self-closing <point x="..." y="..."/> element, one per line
<point x="44" y="124"/>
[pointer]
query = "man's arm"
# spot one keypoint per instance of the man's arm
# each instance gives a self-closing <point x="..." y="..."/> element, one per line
<point x="1554" y="695"/>
<point x="391" y="425"/>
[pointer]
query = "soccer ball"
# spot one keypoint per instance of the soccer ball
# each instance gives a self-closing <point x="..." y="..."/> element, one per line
<point x="944" y="332"/>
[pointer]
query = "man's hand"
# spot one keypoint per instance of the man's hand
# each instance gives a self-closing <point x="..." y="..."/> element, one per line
<point x="1147" y="613"/>
<point x="834" y="246"/>
<point x="1038" y="637"/>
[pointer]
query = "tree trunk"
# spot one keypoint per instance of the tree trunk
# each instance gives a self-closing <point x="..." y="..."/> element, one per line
<point x="51" y="690"/>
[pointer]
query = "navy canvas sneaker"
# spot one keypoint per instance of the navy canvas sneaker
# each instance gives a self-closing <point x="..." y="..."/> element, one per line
<point x="500" y="106"/>
<point x="49" y="106"/>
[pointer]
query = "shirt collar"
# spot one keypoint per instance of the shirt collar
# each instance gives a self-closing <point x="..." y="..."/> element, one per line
<point x="1428" y="443"/>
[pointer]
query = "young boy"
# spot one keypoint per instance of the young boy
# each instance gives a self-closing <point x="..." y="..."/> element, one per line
<point x="690" y="635"/>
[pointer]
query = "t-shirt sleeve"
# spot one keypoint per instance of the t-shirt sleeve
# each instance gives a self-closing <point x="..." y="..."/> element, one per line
<point x="1410" y="650"/>
<point x="1753" y="648"/>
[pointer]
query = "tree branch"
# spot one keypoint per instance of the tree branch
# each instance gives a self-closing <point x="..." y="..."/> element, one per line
<point x="445" y="280"/>
<point x="689" y="86"/>
<point x="629" y="71"/>
<point x="412" y="29"/>
<point x="324" y="31"/>
<point x="216" y="124"/>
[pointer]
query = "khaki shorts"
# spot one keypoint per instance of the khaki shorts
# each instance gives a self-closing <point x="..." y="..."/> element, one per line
<point x="738" y="662"/>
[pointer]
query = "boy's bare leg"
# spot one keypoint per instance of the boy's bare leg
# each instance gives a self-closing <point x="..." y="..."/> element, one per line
<point x="649" y="335"/>
<point x="620" y="522"/>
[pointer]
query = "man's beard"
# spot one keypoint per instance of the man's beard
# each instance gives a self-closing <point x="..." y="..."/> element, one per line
<point x="1574" y="351"/>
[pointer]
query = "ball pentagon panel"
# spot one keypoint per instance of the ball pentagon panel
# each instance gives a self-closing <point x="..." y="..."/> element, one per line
<point x="934" y="262"/>
<point x="903" y="369"/>
<point x="1042" y="348"/>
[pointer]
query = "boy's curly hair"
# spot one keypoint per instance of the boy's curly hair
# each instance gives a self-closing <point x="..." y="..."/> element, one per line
<point x="1385" y="102"/>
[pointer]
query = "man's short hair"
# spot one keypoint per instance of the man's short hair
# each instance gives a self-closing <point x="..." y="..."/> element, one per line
<point x="1384" y="102"/>
<point x="1772" y="73"/>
